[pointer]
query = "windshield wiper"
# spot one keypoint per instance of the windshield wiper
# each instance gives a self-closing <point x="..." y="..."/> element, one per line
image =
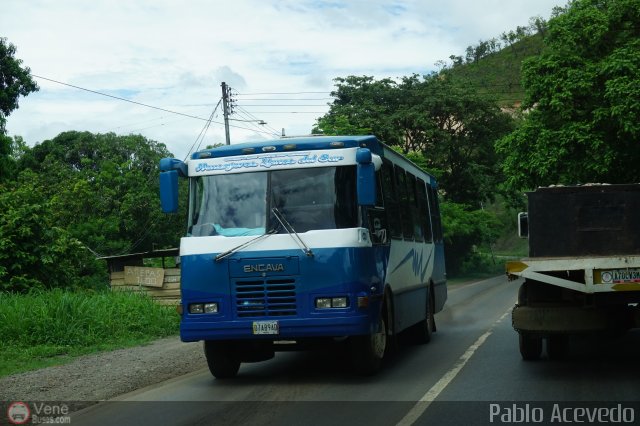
<point x="229" y="252"/>
<point x="292" y="232"/>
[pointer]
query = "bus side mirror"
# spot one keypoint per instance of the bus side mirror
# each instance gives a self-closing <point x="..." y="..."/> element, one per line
<point x="366" y="185"/>
<point x="170" y="169"/>
<point x="523" y="225"/>
<point x="169" y="191"/>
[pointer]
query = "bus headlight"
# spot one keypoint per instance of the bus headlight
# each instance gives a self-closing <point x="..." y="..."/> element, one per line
<point x="203" y="308"/>
<point x="323" y="303"/>
<point x="196" y="308"/>
<point x="339" y="302"/>
<point x="332" y="302"/>
<point x="211" y="308"/>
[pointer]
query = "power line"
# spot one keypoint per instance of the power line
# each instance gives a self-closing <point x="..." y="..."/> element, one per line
<point x="136" y="103"/>
<point x="286" y="105"/>
<point x="204" y="130"/>
<point x="280" y="93"/>
<point x="244" y="113"/>
<point x="157" y="125"/>
<point x="119" y="98"/>
<point x="252" y="118"/>
<point x="137" y="123"/>
<point x="288" y="99"/>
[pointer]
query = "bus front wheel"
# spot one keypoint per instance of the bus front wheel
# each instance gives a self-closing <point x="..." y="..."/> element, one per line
<point x="368" y="351"/>
<point x="222" y="359"/>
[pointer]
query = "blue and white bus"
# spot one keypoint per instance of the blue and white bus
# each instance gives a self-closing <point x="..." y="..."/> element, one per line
<point x="301" y="241"/>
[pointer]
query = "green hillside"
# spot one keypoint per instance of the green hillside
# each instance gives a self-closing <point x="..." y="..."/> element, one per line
<point x="499" y="73"/>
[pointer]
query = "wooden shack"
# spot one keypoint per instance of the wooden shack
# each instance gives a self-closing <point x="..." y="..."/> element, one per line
<point x="131" y="272"/>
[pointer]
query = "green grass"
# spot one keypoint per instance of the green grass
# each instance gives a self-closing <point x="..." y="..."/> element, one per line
<point x="51" y="327"/>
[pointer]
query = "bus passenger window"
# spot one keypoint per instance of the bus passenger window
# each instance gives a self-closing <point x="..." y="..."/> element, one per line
<point x="405" y="208"/>
<point x="379" y="197"/>
<point x="418" y="235"/>
<point x="423" y="209"/>
<point x="391" y="200"/>
<point x="435" y="213"/>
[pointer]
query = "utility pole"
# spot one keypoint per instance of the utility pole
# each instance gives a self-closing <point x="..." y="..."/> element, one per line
<point x="225" y="109"/>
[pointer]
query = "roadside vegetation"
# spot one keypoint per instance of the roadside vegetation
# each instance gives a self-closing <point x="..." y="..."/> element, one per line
<point x="43" y="328"/>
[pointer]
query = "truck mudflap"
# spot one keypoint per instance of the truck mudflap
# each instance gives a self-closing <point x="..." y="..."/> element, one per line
<point x="571" y="319"/>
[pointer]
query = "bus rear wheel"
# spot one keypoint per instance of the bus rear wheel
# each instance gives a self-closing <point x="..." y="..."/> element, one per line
<point x="368" y="351"/>
<point x="421" y="333"/>
<point x="222" y="359"/>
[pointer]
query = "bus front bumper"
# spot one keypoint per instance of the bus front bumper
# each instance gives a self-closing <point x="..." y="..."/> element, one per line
<point x="287" y="328"/>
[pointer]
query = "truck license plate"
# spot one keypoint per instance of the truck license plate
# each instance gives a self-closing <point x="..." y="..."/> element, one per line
<point x="620" y="276"/>
<point x="266" y="327"/>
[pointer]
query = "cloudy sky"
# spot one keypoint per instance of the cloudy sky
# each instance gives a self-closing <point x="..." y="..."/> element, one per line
<point x="278" y="56"/>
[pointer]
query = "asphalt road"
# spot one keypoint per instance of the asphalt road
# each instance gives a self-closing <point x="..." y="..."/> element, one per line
<point x="470" y="373"/>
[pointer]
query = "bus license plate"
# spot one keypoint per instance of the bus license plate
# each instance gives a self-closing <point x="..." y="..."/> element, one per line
<point x="266" y="327"/>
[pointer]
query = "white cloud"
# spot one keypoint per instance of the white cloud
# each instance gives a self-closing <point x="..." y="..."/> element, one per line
<point x="174" y="55"/>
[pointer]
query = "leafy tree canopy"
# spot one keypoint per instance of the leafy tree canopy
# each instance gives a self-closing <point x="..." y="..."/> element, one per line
<point x="442" y="126"/>
<point x="104" y="189"/>
<point x="15" y="81"/>
<point x="36" y="251"/>
<point x="76" y="197"/>
<point x="581" y="122"/>
<point x="453" y="127"/>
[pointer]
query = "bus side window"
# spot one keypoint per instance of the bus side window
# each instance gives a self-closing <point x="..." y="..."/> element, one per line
<point x="379" y="183"/>
<point x="405" y="207"/>
<point x="391" y="200"/>
<point x="423" y="209"/>
<point x="377" y="217"/>
<point x="418" y="235"/>
<point x="435" y="213"/>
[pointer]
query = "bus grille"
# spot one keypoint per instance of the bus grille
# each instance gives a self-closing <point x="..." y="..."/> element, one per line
<point x="266" y="298"/>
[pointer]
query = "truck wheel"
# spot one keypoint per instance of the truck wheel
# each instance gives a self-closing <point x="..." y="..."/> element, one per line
<point x="222" y="359"/>
<point x="368" y="351"/>
<point x="530" y="346"/>
<point x="557" y="346"/>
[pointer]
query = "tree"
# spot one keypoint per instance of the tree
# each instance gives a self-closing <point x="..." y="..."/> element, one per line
<point x="15" y="81"/>
<point x="104" y="190"/>
<point x="74" y="197"/>
<point x="444" y="120"/>
<point x="35" y="250"/>
<point x="582" y="108"/>
<point x="464" y="230"/>
<point x="362" y="105"/>
<point x="444" y="127"/>
<point x="455" y="128"/>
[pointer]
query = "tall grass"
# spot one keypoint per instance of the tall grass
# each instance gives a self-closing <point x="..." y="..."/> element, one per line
<point x="45" y="327"/>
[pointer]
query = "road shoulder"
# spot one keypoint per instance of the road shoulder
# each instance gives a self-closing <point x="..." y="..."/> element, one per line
<point x="106" y="375"/>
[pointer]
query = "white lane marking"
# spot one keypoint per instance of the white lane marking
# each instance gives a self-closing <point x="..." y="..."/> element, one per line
<point x="421" y="406"/>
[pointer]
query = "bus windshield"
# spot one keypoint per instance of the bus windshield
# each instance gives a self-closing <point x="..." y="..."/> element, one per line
<point x="240" y="204"/>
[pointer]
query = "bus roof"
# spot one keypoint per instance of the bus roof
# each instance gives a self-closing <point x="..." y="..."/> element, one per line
<point x="292" y="144"/>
